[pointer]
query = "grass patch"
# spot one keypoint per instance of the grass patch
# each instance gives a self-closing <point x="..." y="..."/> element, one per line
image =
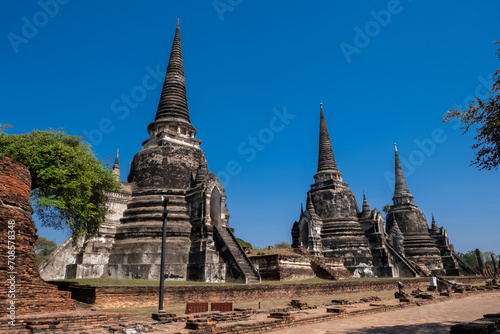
<point x="97" y="282"/>
<point x="272" y="251"/>
<point x="138" y="282"/>
<point x="144" y="313"/>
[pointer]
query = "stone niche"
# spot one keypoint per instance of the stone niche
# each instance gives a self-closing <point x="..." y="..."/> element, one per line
<point x="32" y="294"/>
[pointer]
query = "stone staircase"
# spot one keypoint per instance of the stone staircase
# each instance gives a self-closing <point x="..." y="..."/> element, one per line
<point x="468" y="270"/>
<point x="322" y="268"/>
<point x="246" y="267"/>
<point x="416" y="270"/>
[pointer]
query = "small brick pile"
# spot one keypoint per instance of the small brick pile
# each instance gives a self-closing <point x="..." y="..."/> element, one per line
<point x="370" y="299"/>
<point x="295" y="303"/>
<point x="284" y="315"/>
<point x="60" y="323"/>
<point x="201" y="325"/>
<point x="32" y="294"/>
<point x="166" y="318"/>
<point x="341" y="302"/>
<point x="232" y="316"/>
<point x="336" y="310"/>
<point x="362" y="300"/>
<point x="217" y="316"/>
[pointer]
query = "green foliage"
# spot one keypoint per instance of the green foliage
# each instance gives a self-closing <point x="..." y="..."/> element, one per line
<point x="282" y="244"/>
<point x="486" y="116"/>
<point x="386" y="208"/>
<point x="471" y="259"/>
<point x="69" y="184"/>
<point x="243" y="243"/>
<point x="4" y="126"/>
<point x="43" y="248"/>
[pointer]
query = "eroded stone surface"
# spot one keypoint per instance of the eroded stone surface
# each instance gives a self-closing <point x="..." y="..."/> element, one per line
<point x="20" y="277"/>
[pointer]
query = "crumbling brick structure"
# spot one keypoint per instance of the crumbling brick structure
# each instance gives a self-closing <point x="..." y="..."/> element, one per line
<point x="28" y="291"/>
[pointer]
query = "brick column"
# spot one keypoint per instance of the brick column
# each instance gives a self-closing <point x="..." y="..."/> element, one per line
<point x="32" y="294"/>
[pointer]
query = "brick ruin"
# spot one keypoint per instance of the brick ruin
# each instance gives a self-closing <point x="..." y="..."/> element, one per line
<point x="32" y="294"/>
<point x="201" y="245"/>
<point x="332" y="226"/>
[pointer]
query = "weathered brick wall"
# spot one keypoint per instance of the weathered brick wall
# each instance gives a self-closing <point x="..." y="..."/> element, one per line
<point x="117" y="297"/>
<point x="122" y="297"/>
<point x="76" y="322"/>
<point x="32" y="294"/>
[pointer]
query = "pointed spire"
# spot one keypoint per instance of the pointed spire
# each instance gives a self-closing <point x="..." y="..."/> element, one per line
<point x="310" y="206"/>
<point x="365" y="213"/>
<point x="326" y="160"/>
<point x="173" y="101"/>
<point x="116" y="159"/>
<point x="434" y="226"/>
<point x="116" y="166"/>
<point x="400" y="187"/>
<point x="396" y="237"/>
<point x="301" y="208"/>
<point x="202" y="173"/>
<point x="395" y="226"/>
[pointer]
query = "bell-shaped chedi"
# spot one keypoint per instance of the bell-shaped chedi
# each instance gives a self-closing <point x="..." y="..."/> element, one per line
<point x="172" y="165"/>
<point x="21" y="281"/>
<point x="333" y="229"/>
<point x="418" y="244"/>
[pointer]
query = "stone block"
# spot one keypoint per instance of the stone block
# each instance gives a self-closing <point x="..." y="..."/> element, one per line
<point x="336" y="310"/>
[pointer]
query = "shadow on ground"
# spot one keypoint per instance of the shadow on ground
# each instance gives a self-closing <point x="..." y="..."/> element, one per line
<point x="428" y="328"/>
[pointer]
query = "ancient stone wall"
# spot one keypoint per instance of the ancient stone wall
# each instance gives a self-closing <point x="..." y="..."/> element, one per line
<point x="25" y="289"/>
<point x="283" y="267"/>
<point x="122" y="297"/>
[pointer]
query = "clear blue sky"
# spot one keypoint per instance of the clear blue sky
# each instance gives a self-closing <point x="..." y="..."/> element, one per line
<point x="385" y="71"/>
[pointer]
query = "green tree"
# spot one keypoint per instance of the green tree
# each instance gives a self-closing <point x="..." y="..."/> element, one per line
<point x="69" y="184"/>
<point x="282" y="244"/>
<point x="471" y="259"/>
<point x="485" y="115"/>
<point x="386" y="208"/>
<point x="487" y="259"/>
<point x="43" y="248"/>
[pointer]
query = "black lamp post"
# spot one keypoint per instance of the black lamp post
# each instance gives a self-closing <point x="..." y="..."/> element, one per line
<point x="163" y="246"/>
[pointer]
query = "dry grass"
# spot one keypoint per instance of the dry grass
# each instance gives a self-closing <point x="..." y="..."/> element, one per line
<point x="272" y="251"/>
<point x="140" y="282"/>
<point x="137" y="282"/>
<point x="144" y="313"/>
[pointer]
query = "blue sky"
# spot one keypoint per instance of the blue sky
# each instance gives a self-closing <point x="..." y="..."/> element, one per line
<point x="385" y="71"/>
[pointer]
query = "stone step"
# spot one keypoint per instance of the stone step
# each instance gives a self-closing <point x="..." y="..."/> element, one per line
<point x="339" y="233"/>
<point x="154" y="217"/>
<point x="154" y="209"/>
<point x="239" y="256"/>
<point x="155" y="200"/>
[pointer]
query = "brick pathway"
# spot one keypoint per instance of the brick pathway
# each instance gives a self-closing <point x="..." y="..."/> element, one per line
<point x="434" y="318"/>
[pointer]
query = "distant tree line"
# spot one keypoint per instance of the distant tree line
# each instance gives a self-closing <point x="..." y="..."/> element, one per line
<point x="471" y="259"/>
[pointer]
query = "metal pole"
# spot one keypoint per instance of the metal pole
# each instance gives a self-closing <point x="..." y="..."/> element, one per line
<point x="163" y="246"/>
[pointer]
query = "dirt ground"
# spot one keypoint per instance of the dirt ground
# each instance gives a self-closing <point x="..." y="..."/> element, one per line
<point x="144" y="313"/>
<point x="433" y="318"/>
